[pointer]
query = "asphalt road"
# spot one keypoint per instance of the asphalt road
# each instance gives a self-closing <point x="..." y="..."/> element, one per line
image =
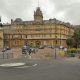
<point x="45" y="70"/>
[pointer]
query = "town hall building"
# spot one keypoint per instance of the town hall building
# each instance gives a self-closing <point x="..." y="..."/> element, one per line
<point x="36" y="33"/>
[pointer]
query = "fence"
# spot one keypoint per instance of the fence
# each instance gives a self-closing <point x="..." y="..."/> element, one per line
<point x="6" y="55"/>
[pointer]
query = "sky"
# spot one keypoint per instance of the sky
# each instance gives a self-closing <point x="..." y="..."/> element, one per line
<point x="64" y="10"/>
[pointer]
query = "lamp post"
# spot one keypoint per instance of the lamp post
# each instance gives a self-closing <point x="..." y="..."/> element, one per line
<point x="55" y="38"/>
<point x="3" y="37"/>
<point x="60" y="38"/>
<point x="55" y="45"/>
<point x="4" y="50"/>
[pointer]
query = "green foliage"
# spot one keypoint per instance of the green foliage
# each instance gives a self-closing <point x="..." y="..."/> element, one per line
<point x="31" y="45"/>
<point x="74" y="41"/>
<point x="77" y="33"/>
<point x="76" y="37"/>
<point x="78" y="50"/>
<point x="72" y="50"/>
<point x="69" y="42"/>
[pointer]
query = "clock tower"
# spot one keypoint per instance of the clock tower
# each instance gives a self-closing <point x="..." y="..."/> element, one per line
<point x="38" y="16"/>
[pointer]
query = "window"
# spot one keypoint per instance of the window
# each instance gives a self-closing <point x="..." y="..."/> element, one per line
<point x="24" y="36"/>
<point x="32" y="36"/>
<point x="15" y="36"/>
<point x="6" y="36"/>
<point x="44" y="35"/>
<point x="44" y="42"/>
<point x="50" y="35"/>
<point x="37" y="29"/>
<point x="38" y="35"/>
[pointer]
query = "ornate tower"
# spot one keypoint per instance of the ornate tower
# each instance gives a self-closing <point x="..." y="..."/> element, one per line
<point x="38" y="16"/>
<point x="0" y="18"/>
<point x="0" y="22"/>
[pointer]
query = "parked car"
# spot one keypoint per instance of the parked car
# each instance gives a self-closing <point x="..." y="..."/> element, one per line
<point x="51" y="47"/>
<point x="8" y="48"/>
<point x="61" y="47"/>
<point x="72" y="54"/>
<point x="4" y="49"/>
<point x="41" y="47"/>
<point x="23" y="50"/>
<point x="33" y="50"/>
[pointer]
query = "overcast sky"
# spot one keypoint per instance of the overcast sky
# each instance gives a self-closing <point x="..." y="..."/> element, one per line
<point x="64" y="10"/>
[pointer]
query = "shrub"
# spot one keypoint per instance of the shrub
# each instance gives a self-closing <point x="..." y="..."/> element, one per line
<point x="78" y="50"/>
<point x="72" y="50"/>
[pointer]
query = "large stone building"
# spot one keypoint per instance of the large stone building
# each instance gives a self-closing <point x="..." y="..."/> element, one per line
<point x="1" y="38"/>
<point x="36" y="33"/>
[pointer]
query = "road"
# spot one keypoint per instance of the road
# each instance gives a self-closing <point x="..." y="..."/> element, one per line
<point x="45" y="70"/>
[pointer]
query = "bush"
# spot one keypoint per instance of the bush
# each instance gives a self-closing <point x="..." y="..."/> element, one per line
<point x="78" y="50"/>
<point x="78" y="57"/>
<point x="72" y="55"/>
<point x="72" y="50"/>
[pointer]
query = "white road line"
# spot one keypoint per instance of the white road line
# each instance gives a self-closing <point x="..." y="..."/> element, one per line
<point x="12" y="64"/>
<point x="27" y="66"/>
<point x="34" y="65"/>
<point x="23" y="67"/>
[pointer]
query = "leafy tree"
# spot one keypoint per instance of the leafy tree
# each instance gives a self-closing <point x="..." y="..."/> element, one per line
<point x="76" y="38"/>
<point x="74" y="41"/>
<point x="69" y="42"/>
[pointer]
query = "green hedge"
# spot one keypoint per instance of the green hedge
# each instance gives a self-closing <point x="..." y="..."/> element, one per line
<point x="73" y="50"/>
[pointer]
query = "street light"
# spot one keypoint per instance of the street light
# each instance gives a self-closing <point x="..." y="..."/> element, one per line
<point x="55" y="45"/>
<point x="55" y="38"/>
<point x="60" y="38"/>
<point x="3" y="37"/>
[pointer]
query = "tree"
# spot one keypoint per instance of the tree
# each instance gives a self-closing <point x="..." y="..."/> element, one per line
<point x="76" y="37"/>
<point x="74" y="41"/>
<point x="69" y="42"/>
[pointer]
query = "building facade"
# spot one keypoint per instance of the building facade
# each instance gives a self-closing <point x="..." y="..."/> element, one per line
<point x="1" y="38"/>
<point x="36" y="33"/>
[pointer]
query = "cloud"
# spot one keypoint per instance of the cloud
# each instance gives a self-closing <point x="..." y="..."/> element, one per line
<point x="65" y="10"/>
<point x="16" y="8"/>
<point x="69" y="9"/>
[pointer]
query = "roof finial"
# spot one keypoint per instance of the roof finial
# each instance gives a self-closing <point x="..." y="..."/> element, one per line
<point x="38" y="3"/>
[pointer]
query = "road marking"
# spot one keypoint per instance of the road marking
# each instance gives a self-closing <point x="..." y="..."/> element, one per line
<point x="17" y="65"/>
<point x="12" y="64"/>
<point x="27" y="66"/>
<point x="34" y="65"/>
<point x="23" y="67"/>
